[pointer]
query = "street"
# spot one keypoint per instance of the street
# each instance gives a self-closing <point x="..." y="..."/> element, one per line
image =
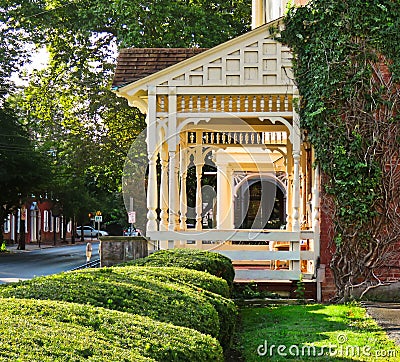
<point x="16" y="266"/>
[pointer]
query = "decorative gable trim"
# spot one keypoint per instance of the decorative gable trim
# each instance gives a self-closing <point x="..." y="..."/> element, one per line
<point x="252" y="59"/>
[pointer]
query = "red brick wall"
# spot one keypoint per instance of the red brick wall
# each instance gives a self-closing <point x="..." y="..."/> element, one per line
<point x="327" y="246"/>
<point x="391" y="271"/>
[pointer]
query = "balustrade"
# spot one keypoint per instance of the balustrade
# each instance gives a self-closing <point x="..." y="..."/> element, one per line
<point x="241" y="138"/>
<point x="228" y="103"/>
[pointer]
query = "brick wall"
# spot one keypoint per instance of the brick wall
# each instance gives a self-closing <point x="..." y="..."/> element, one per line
<point x="390" y="273"/>
<point x="327" y="246"/>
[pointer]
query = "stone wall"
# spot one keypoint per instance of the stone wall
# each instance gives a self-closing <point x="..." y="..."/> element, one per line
<point x="119" y="249"/>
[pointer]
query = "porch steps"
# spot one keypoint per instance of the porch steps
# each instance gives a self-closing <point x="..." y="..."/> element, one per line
<point x="264" y="302"/>
<point x="284" y="288"/>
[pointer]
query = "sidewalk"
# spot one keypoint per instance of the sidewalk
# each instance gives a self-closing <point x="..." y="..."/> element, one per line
<point x="35" y="246"/>
<point x="387" y="315"/>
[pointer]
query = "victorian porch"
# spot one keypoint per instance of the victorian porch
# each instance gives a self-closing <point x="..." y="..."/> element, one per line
<point x="236" y="173"/>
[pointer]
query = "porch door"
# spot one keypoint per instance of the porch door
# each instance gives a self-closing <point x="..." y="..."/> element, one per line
<point x="260" y="205"/>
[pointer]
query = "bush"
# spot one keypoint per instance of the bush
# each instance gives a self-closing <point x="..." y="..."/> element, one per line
<point x="213" y="263"/>
<point x="227" y="314"/>
<point x="191" y="277"/>
<point x="199" y="281"/>
<point x="34" y="330"/>
<point x="166" y="302"/>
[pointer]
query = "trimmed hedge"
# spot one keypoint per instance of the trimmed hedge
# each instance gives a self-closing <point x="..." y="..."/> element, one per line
<point x="213" y="263"/>
<point x="35" y="330"/>
<point x="198" y="281"/>
<point x="166" y="302"/>
<point x="191" y="277"/>
<point x="127" y="289"/>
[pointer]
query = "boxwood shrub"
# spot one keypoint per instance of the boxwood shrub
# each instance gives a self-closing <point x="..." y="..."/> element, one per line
<point x="39" y="330"/>
<point x="211" y="262"/>
<point x="192" y="277"/>
<point x="226" y="308"/>
<point x="166" y="302"/>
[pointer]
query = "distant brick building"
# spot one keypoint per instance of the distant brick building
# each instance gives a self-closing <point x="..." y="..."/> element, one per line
<point x="41" y="222"/>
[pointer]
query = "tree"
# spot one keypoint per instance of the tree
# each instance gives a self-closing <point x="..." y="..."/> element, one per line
<point x="22" y="168"/>
<point x="69" y="105"/>
<point x="347" y="68"/>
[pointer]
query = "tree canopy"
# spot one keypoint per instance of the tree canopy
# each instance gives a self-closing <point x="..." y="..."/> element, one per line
<point x="69" y="106"/>
<point x="23" y="169"/>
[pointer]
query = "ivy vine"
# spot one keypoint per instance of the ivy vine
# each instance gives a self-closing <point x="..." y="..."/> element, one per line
<point x="347" y="69"/>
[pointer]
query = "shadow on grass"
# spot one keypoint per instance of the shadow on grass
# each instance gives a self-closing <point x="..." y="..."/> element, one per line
<point x="301" y="333"/>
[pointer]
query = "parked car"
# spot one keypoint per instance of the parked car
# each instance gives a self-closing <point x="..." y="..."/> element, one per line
<point x="131" y="231"/>
<point x="90" y="231"/>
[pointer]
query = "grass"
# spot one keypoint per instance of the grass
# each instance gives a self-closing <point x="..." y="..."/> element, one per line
<point x="313" y="333"/>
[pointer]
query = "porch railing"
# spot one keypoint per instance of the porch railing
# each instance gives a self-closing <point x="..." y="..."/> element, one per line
<point x="257" y="255"/>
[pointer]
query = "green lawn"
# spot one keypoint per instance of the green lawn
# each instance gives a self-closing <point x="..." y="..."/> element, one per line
<point x="313" y="333"/>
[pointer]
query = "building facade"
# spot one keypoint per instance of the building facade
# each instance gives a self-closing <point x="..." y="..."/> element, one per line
<point x="36" y="221"/>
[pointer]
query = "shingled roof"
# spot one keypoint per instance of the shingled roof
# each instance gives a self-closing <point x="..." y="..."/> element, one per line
<point x="136" y="63"/>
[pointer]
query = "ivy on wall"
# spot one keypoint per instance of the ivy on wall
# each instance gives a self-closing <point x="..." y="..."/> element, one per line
<point x="347" y="69"/>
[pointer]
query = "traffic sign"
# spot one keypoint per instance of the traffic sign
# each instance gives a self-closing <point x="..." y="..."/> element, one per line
<point x="98" y="218"/>
<point x="132" y="217"/>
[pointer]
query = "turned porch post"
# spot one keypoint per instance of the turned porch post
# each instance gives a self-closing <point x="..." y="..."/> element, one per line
<point x="164" y="189"/>
<point x="296" y="153"/>
<point x="224" y="197"/>
<point x="152" y="190"/>
<point x="199" y="162"/>
<point x="183" y="174"/>
<point x="173" y="137"/>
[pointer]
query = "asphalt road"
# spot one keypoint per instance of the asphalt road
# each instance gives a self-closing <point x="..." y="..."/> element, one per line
<point x="16" y="266"/>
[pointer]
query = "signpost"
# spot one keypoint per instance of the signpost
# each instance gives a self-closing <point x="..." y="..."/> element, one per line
<point x="131" y="220"/>
<point x="132" y="217"/>
<point x="98" y="218"/>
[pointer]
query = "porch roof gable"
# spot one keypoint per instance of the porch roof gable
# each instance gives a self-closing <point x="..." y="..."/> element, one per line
<point x="246" y="53"/>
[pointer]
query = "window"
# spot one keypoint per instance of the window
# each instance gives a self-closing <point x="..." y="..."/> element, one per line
<point x="25" y="218"/>
<point x="275" y="9"/>
<point x="7" y="224"/>
<point x="18" y="221"/>
<point x="45" y="221"/>
<point x="51" y="221"/>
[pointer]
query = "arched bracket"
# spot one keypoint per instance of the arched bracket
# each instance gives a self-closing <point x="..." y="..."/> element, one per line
<point x="282" y="120"/>
<point x="194" y="120"/>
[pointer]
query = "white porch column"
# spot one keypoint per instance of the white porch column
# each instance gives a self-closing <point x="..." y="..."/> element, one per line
<point x="164" y="189"/>
<point x="173" y="137"/>
<point x="289" y="196"/>
<point x="296" y="191"/>
<point x="152" y="189"/>
<point x="199" y="162"/>
<point x="316" y="211"/>
<point x="183" y="174"/>
<point x="224" y="197"/>
<point x="296" y="141"/>
<point x="173" y="220"/>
